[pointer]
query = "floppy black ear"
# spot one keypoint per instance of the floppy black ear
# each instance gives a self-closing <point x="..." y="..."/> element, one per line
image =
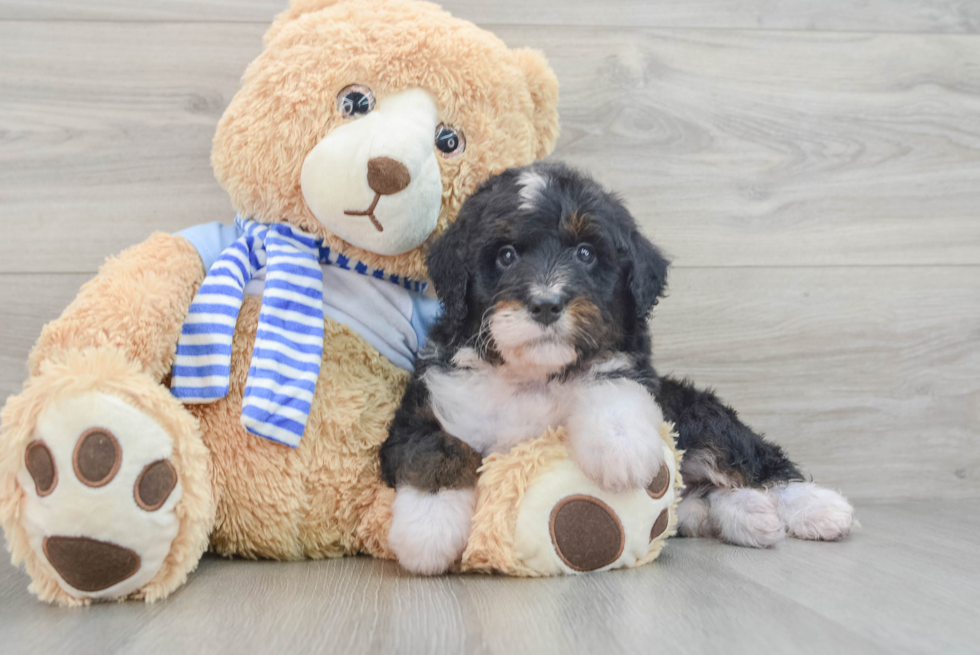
<point x="648" y="277"/>
<point x="449" y="273"/>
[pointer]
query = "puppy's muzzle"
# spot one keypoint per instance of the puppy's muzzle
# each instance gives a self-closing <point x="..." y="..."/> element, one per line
<point x="546" y="309"/>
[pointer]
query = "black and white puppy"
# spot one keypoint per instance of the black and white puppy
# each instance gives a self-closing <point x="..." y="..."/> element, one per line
<point x="547" y="285"/>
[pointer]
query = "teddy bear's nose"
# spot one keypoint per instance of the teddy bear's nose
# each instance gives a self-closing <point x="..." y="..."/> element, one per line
<point x="387" y="176"/>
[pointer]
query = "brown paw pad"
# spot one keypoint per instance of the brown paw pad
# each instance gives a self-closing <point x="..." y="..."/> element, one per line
<point x="659" y="525"/>
<point x="154" y="484"/>
<point x="660" y="483"/>
<point x="586" y="533"/>
<point x="90" y="565"/>
<point x="97" y="457"/>
<point x="40" y="464"/>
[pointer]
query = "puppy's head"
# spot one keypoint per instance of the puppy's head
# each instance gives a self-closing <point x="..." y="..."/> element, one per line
<point x="544" y="269"/>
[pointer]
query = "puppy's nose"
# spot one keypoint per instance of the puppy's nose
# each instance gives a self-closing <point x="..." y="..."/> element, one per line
<point x="546" y="309"/>
<point x="387" y="176"/>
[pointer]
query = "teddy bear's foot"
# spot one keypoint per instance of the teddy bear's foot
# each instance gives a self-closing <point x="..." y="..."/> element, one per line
<point x="540" y="514"/>
<point x="113" y="496"/>
<point x="429" y="530"/>
<point x="812" y="512"/>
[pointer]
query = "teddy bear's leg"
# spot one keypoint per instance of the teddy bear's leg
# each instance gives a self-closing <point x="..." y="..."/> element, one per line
<point x="104" y="481"/>
<point x="538" y="513"/>
<point x="104" y="485"/>
<point x="136" y="304"/>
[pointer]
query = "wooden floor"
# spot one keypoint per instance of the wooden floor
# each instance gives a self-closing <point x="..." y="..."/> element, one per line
<point x="908" y="582"/>
<point x="813" y="169"/>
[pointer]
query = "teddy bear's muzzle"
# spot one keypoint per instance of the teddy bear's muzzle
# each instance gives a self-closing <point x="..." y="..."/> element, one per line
<point x="375" y="181"/>
<point x="386" y="176"/>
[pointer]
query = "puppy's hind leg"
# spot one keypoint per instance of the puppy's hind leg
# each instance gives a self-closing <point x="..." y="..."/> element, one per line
<point x="745" y="517"/>
<point x="812" y="512"/>
<point x="726" y="469"/>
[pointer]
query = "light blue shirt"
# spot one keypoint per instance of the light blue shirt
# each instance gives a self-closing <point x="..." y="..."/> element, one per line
<point x="394" y="319"/>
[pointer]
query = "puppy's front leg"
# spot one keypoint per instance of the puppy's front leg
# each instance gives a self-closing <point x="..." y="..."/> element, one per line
<point x="614" y="432"/>
<point x="434" y="476"/>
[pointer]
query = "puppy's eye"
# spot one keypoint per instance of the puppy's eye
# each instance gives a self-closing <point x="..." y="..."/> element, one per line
<point x="506" y="257"/>
<point x="450" y="141"/>
<point x="355" y="101"/>
<point x="585" y="253"/>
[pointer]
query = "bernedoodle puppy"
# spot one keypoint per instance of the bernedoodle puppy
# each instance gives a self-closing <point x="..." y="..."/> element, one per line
<point x="547" y="285"/>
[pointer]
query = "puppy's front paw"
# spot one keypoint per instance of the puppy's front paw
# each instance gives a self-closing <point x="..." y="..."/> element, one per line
<point x="429" y="530"/>
<point x="615" y="437"/>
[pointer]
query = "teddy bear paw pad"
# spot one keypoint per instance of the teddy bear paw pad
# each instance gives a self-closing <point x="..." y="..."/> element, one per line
<point x="101" y="493"/>
<point x="569" y="524"/>
<point x="90" y="565"/>
<point x="586" y="533"/>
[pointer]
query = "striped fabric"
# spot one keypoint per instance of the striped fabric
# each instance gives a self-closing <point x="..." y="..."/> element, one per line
<point x="288" y="341"/>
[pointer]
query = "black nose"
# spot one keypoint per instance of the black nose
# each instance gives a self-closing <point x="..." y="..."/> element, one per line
<point x="546" y="309"/>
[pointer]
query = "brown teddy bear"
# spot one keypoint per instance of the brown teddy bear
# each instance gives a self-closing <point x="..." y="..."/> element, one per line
<point x="228" y="387"/>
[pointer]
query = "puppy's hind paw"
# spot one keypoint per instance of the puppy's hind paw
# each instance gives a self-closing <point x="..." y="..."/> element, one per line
<point x="746" y="517"/>
<point x="429" y="530"/>
<point x="812" y="512"/>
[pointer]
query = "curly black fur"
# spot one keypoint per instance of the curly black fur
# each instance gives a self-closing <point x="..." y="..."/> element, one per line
<point x="617" y="292"/>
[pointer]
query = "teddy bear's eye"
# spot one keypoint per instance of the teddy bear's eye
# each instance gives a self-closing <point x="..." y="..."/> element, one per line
<point x="450" y="141"/>
<point x="355" y="100"/>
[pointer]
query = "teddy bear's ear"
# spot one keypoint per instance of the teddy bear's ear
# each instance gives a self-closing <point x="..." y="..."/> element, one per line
<point x="543" y="85"/>
<point x="296" y="9"/>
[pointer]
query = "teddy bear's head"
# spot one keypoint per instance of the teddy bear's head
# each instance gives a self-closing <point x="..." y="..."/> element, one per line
<point x="368" y="122"/>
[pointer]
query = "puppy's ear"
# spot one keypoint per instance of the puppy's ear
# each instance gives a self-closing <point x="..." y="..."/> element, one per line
<point x="648" y="277"/>
<point x="449" y="273"/>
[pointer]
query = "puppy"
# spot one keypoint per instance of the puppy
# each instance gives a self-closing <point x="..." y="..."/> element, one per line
<point x="547" y="285"/>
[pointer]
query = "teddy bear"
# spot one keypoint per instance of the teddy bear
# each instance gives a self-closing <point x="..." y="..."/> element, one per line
<point x="227" y="388"/>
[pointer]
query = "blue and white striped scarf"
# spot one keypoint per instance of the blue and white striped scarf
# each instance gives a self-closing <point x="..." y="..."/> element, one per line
<point x="288" y="345"/>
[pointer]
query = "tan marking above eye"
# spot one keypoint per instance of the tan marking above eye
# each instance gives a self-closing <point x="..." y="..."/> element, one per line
<point x="586" y="533"/>
<point x="155" y="483"/>
<point x="659" y="525"/>
<point x="97" y="457"/>
<point x="660" y="483"/>
<point x="40" y="464"/>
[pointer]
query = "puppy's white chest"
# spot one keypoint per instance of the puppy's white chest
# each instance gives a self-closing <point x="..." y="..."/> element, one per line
<point x="492" y="413"/>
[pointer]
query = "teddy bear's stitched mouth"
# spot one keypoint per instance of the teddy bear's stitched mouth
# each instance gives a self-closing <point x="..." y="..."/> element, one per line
<point x="369" y="212"/>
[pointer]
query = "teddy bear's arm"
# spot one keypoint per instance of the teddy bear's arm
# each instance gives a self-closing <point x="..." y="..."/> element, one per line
<point x="137" y="304"/>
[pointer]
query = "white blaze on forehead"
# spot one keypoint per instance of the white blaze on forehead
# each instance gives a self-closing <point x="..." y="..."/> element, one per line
<point x="532" y="186"/>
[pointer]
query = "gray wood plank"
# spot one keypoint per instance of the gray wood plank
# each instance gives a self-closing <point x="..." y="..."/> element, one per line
<point x="864" y="595"/>
<point x="733" y="148"/>
<point x="870" y="582"/>
<point x="27" y="302"/>
<point x="943" y="16"/>
<point x="866" y="375"/>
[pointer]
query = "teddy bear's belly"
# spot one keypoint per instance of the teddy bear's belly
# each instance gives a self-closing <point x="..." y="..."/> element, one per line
<point x="277" y="502"/>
